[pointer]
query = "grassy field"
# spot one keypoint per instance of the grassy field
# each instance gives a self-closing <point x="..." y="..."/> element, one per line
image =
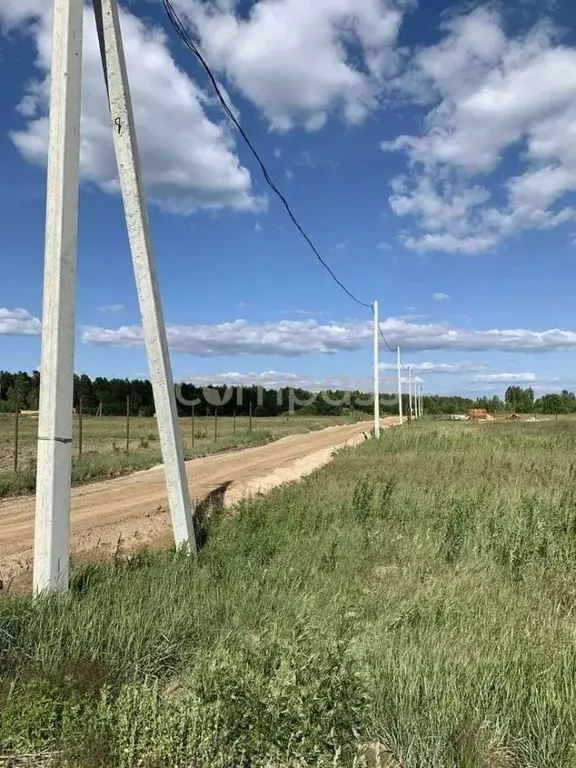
<point x="411" y="604"/>
<point x="110" y="449"/>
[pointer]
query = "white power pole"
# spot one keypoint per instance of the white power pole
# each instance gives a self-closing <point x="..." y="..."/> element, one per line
<point x="410" y="410"/>
<point x="52" y="521"/>
<point x="421" y="401"/>
<point x="125" y="144"/>
<point x="376" y="374"/>
<point x="399" y="366"/>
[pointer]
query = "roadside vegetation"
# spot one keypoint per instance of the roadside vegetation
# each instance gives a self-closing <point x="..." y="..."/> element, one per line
<point x="104" y="466"/>
<point x="409" y="605"/>
<point x="106" y="441"/>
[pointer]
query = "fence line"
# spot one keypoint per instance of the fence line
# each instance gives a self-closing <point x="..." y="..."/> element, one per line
<point x="94" y="435"/>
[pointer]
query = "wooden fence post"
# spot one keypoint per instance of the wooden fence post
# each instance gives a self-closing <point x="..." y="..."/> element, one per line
<point x="128" y="424"/>
<point x="193" y="427"/>
<point x="80" y="427"/>
<point x="16" y="435"/>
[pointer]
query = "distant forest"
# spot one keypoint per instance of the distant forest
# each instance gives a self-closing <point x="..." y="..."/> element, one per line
<point x="113" y="396"/>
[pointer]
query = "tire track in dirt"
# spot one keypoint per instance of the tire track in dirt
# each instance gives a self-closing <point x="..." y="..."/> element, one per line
<point x="133" y="509"/>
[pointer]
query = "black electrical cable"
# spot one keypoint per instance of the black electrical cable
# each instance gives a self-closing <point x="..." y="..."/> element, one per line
<point x="404" y="367"/>
<point x="385" y="339"/>
<point x="189" y="43"/>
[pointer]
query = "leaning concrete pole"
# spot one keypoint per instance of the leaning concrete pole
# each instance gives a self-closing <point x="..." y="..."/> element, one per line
<point x="122" y="118"/>
<point x="52" y="524"/>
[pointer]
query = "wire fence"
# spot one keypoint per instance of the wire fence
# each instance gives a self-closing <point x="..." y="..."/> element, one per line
<point x="94" y="433"/>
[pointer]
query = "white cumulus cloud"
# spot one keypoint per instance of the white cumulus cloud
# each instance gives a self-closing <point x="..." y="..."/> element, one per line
<point x="488" y="94"/>
<point x="271" y="380"/>
<point x="287" y="337"/>
<point x="504" y="378"/>
<point x="297" y="60"/>
<point x="293" y="338"/>
<point x="301" y="337"/>
<point x="189" y="161"/>
<point x="429" y="367"/>
<point x="18" y="322"/>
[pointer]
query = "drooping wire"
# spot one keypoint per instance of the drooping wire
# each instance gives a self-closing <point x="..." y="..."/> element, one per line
<point x="402" y="366"/>
<point x="189" y="43"/>
<point x="385" y="339"/>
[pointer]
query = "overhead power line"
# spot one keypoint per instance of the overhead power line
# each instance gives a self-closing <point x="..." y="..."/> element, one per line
<point x="385" y="339"/>
<point x="189" y="43"/>
<point x="404" y="367"/>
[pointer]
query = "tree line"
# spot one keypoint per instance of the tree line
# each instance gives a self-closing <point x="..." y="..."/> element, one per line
<point x="112" y="397"/>
<point x="516" y="400"/>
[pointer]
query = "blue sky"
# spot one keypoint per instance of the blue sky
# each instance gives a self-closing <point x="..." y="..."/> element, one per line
<point x="428" y="149"/>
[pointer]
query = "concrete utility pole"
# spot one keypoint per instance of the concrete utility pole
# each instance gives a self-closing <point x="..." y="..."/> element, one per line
<point x="376" y="373"/>
<point x="126" y="147"/>
<point x="410" y="410"/>
<point x="52" y="521"/>
<point x="399" y="366"/>
<point x="52" y="524"/>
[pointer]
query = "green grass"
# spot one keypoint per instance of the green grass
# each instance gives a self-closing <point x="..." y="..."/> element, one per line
<point x="108" y="434"/>
<point x="104" y="466"/>
<point x="104" y="452"/>
<point x="416" y="596"/>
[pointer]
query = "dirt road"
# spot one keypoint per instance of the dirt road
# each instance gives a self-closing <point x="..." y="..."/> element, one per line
<point x="133" y="510"/>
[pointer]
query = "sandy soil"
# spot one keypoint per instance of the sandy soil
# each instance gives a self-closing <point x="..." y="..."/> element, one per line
<point x="131" y="512"/>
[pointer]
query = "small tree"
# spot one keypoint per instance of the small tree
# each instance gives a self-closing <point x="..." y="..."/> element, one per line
<point x="552" y="404"/>
<point x="18" y="392"/>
